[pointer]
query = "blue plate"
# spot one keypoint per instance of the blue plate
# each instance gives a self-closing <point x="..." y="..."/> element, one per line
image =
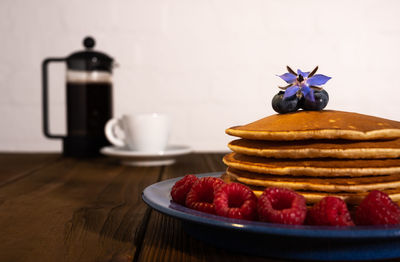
<point x="275" y="240"/>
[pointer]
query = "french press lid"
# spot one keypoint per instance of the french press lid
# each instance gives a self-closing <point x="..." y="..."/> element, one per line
<point x="89" y="60"/>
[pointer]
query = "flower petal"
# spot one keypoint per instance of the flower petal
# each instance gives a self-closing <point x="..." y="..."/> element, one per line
<point x="290" y="91"/>
<point x="303" y="74"/>
<point x="308" y="92"/>
<point x="288" y="77"/>
<point x="318" y="80"/>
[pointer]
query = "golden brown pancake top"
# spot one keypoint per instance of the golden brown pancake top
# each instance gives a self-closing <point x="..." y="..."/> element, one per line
<point x="325" y="124"/>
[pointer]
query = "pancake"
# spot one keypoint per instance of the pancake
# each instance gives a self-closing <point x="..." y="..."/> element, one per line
<point x="326" y="167"/>
<point x="314" y="197"/>
<point x="349" y="149"/>
<point x="325" y="124"/>
<point x="328" y="184"/>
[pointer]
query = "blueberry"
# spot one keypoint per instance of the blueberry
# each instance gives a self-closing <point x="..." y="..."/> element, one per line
<point x="289" y="104"/>
<point x="321" y="98"/>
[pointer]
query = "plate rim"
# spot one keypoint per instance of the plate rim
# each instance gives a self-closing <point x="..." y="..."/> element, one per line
<point x="115" y="151"/>
<point x="257" y="227"/>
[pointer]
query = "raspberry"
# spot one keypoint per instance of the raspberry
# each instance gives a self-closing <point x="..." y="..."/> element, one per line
<point x="235" y="200"/>
<point x="330" y="211"/>
<point x="377" y="209"/>
<point x="181" y="188"/>
<point x="281" y="205"/>
<point x="201" y="195"/>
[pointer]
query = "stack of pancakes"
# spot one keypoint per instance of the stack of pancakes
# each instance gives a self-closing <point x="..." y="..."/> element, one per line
<point x="317" y="153"/>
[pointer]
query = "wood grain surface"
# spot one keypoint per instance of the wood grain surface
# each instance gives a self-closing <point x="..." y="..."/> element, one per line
<point x="71" y="210"/>
<point x="16" y="166"/>
<point x="54" y="208"/>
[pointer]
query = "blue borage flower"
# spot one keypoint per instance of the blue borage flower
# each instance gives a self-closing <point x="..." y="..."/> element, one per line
<point x="303" y="83"/>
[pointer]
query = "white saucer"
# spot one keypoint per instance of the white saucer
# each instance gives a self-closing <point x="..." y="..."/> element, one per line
<point x="137" y="158"/>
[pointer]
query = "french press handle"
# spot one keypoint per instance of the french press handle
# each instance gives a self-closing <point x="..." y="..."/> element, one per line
<point x="45" y="96"/>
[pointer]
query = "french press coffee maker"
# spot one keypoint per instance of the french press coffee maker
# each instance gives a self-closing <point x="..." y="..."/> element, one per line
<point x="88" y="100"/>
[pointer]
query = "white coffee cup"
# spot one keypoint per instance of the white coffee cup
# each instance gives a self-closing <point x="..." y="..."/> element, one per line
<point x="143" y="132"/>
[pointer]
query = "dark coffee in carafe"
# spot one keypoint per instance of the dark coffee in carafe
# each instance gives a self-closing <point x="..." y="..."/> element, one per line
<point x="91" y="116"/>
<point x="88" y="101"/>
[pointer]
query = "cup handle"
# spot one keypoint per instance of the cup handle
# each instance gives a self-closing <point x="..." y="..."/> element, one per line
<point x="109" y="129"/>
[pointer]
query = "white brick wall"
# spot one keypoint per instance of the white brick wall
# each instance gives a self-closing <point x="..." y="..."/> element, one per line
<point x="210" y="64"/>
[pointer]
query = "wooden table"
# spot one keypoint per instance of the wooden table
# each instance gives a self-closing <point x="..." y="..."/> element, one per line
<point x="54" y="208"/>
